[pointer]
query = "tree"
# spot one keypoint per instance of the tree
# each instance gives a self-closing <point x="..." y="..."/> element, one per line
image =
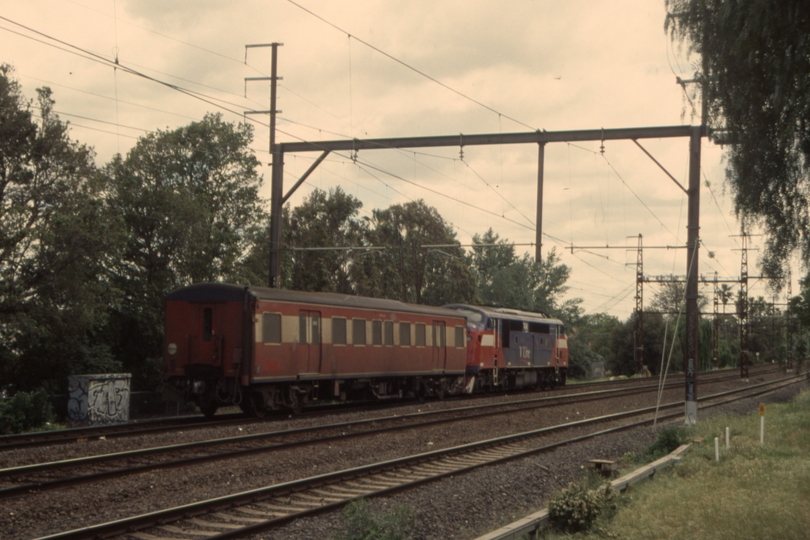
<point x="408" y="269"/>
<point x="754" y="80"/>
<point x="188" y="199"/>
<point x="323" y="221"/>
<point x="57" y="242"/>
<point x="506" y="280"/>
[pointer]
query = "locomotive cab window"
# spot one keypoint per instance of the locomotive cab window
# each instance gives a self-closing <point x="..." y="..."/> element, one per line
<point x="338" y="331"/>
<point x="359" y="332"/>
<point x="271" y="328"/>
<point x="538" y="328"/>
<point x="376" y="333"/>
<point x="388" y="335"/>
<point x="404" y="334"/>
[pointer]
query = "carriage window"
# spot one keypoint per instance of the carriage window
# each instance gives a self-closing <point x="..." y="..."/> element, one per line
<point x="271" y="328"/>
<point x="358" y="331"/>
<point x="405" y="334"/>
<point x="438" y="335"/>
<point x="459" y="336"/>
<point x="421" y="338"/>
<point x="302" y="328"/>
<point x="338" y="331"/>
<point x="389" y="333"/>
<point x="208" y="324"/>
<point x="376" y="332"/>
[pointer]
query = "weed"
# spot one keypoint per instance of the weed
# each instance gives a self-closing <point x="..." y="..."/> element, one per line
<point x="359" y="523"/>
<point x="577" y="508"/>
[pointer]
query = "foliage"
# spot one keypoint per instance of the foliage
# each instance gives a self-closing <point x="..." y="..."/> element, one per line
<point x="589" y="341"/>
<point x="669" y="438"/>
<point x="188" y="199"/>
<point x="506" y="280"/>
<point x="577" y="508"/>
<point x="57" y="241"/>
<point x="359" y="523"/>
<point x="407" y="270"/>
<point x="754" y="80"/>
<point x="25" y="411"/>
<point x="322" y="220"/>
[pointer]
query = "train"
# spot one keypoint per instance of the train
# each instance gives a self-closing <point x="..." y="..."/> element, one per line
<point x="267" y="350"/>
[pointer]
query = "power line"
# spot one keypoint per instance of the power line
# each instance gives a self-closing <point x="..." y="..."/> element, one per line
<point x="408" y="66"/>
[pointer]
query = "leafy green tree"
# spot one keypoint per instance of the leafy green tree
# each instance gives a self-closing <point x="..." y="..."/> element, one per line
<point x="408" y="269"/>
<point x="323" y="220"/>
<point x="57" y="241"/>
<point x="589" y="341"/>
<point x="754" y="78"/>
<point x="189" y="200"/>
<point x="622" y="362"/>
<point x="506" y="280"/>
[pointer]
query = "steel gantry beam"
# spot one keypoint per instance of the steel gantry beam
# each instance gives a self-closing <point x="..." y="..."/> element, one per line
<point x="540" y="138"/>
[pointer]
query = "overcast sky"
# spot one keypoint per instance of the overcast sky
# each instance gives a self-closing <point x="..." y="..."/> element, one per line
<point x="511" y="66"/>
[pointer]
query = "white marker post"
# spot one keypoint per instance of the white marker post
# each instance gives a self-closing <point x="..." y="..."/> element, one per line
<point x="727" y="438"/>
<point x="716" y="449"/>
<point x="761" y="424"/>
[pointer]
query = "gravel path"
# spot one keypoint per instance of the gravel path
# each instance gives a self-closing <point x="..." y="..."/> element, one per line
<point x="457" y="507"/>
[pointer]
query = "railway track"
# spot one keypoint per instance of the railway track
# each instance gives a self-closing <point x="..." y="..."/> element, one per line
<point x="258" y="510"/>
<point x="34" y="478"/>
<point x="151" y="427"/>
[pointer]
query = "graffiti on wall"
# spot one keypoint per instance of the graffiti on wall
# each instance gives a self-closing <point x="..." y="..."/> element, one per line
<point x="98" y="399"/>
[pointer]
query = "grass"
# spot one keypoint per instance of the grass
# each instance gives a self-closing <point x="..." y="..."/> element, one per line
<point x="754" y="491"/>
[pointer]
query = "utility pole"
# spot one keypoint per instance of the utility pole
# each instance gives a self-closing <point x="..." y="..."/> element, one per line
<point x="638" y="333"/>
<point x="716" y="326"/>
<point x="744" y="352"/>
<point x="277" y="186"/>
<point x="788" y="325"/>
<point x="692" y="243"/>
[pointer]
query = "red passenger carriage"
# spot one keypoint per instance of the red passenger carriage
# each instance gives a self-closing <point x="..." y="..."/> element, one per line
<point x="267" y="349"/>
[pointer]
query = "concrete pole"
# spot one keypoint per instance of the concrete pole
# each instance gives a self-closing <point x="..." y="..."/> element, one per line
<point x="692" y="270"/>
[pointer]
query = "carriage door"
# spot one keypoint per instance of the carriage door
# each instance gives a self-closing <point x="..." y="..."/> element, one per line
<point x="309" y="338"/>
<point x="439" y="345"/>
<point x="211" y="335"/>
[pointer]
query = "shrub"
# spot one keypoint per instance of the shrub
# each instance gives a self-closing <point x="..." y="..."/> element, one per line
<point x="668" y="440"/>
<point x="360" y="524"/>
<point x="577" y="508"/>
<point x="25" y="411"/>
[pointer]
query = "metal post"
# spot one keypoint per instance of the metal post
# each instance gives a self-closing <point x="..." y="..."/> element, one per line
<point x="638" y="334"/>
<point x="275" y="219"/>
<point x="273" y="111"/>
<point x="716" y="326"/>
<point x="692" y="270"/>
<point x="744" y="352"/>
<point x="538" y="255"/>
<point x="277" y="187"/>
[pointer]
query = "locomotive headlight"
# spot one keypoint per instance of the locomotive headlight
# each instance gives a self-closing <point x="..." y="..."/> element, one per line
<point x="172" y="348"/>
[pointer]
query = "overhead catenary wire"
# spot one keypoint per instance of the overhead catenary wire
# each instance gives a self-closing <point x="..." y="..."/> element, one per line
<point x="408" y="66"/>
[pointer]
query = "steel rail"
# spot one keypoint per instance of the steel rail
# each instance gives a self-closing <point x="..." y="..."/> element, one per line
<point x="145" y="427"/>
<point x="389" y="467"/>
<point x="507" y="408"/>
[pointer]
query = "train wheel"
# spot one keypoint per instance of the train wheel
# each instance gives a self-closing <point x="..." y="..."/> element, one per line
<point x="256" y="405"/>
<point x="421" y="393"/>
<point x="295" y="402"/>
